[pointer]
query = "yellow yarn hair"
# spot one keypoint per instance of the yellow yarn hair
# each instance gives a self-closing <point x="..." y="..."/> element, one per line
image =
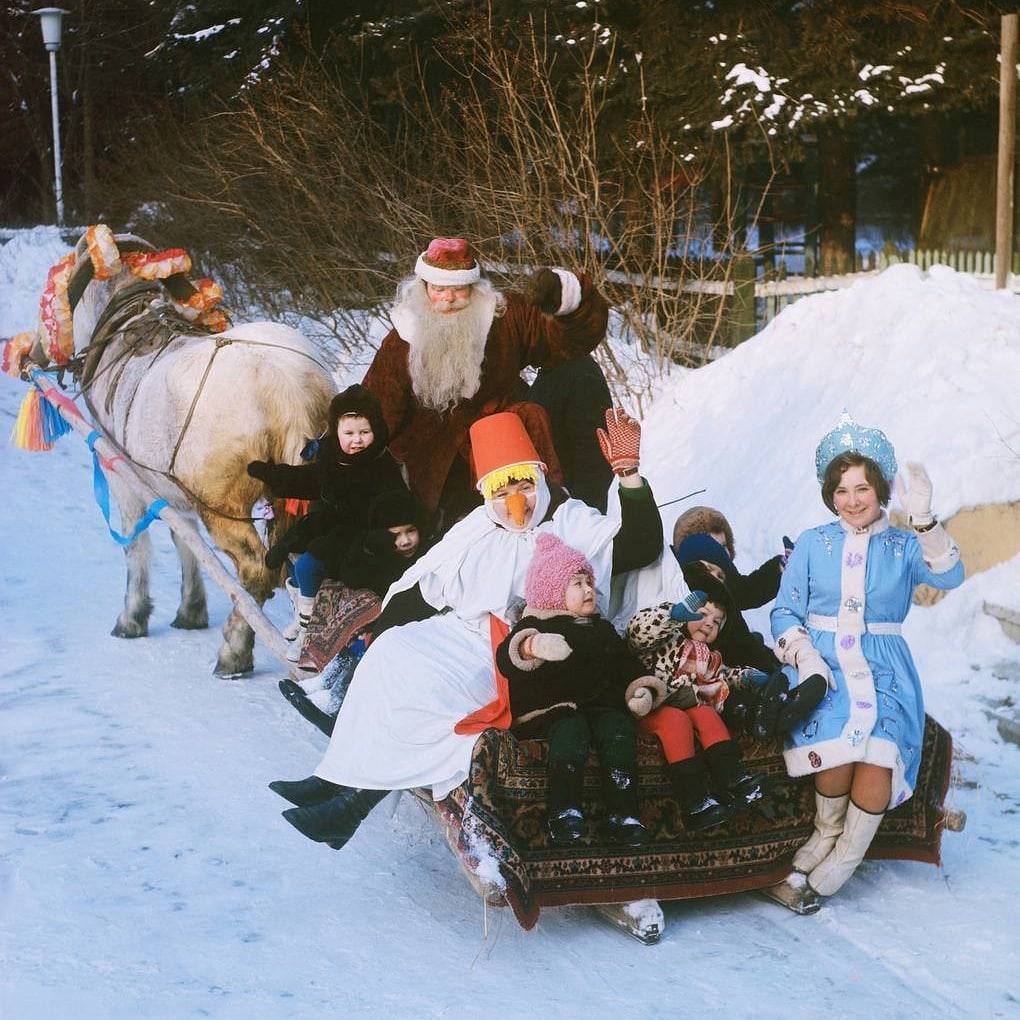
<point x="526" y="472"/>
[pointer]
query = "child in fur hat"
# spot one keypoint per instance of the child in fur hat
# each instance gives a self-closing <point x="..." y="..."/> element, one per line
<point x="352" y="466"/>
<point x="568" y="671"/>
<point x="684" y="701"/>
<point x="749" y="590"/>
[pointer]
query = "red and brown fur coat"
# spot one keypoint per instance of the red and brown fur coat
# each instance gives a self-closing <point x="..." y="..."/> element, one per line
<point x="428" y="442"/>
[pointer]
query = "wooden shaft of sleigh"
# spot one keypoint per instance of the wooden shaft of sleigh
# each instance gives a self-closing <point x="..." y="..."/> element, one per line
<point x="181" y="526"/>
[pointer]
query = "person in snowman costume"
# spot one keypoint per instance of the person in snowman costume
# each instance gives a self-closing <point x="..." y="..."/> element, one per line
<point x="427" y="686"/>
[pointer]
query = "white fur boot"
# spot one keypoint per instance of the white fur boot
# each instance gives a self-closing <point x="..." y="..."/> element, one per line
<point x="293" y="628"/>
<point x="304" y="612"/>
<point x="858" y="831"/>
<point x="830" y="814"/>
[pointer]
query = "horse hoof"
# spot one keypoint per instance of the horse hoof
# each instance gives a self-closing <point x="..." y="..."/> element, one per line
<point x="131" y="629"/>
<point x="195" y="621"/>
<point x="231" y="671"/>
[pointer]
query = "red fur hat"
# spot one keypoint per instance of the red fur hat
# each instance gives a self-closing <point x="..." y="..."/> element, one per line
<point x="553" y="564"/>
<point x="448" y="262"/>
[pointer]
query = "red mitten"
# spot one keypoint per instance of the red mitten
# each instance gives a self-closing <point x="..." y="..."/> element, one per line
<point x="620" y="441"/>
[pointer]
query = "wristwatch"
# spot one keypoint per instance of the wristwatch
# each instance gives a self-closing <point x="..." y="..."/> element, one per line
<point x="925" y="527"/>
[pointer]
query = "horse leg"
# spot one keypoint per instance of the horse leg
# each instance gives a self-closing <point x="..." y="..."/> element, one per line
<point x="192" y="614"/>
<point x="133" y="621"/>
<point x="241" y="542"/>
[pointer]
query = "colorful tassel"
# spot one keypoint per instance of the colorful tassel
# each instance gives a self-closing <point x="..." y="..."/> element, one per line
<point x="38" y="425"/>
<point x="27" y="433"/>
<point x="53" y="424"/>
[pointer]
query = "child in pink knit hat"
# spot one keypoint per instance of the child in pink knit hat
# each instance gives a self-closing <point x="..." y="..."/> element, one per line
<point x="568" y="672"/>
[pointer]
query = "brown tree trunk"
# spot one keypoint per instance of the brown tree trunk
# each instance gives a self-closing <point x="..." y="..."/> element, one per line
<point x="837" y="196"/>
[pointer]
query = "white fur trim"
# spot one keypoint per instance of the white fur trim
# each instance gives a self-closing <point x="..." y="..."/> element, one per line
<point x="514" y="650"/>
<point x="938" y="549"/>
<point x="446" y="277"/>
<point x="570" y="289"/>
<point x="863" y="700"/>
<point x="528" y="716"/>
<point x="790" y="642"/>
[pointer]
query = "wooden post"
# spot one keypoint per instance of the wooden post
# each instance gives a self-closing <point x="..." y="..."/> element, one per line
<point x="1007" y="143"/>
<point x="742" y="319"/>
<point x="177" y="522"/>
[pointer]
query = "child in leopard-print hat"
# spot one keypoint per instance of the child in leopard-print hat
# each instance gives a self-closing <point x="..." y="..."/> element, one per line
<point x="684" y="702"/>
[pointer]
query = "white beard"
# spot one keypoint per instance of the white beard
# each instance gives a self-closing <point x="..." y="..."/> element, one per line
<point x="446" y="350"/>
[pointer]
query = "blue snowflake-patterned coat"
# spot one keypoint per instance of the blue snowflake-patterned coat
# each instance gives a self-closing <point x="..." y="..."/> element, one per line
<point x="852" y="590"/>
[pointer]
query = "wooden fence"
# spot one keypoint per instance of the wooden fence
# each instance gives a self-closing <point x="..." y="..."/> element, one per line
<point x="771" y="296"/>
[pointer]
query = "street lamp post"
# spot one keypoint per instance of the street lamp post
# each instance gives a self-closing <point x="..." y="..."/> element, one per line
<point x="50" y="20"/>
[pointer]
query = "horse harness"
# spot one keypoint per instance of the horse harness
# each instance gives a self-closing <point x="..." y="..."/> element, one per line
<point x="150" y="324"/>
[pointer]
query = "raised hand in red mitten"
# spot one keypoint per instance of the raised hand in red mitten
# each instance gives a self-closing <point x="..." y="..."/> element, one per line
<point x="620" y="441"/>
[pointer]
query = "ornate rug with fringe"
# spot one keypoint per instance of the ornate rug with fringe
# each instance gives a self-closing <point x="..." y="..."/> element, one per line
<point x="496" y="820"/>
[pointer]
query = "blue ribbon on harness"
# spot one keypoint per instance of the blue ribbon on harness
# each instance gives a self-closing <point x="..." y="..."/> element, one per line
<point x="101" y="489"/>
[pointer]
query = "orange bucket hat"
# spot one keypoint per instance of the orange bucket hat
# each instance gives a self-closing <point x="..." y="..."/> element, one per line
<point x="501" y="449"/>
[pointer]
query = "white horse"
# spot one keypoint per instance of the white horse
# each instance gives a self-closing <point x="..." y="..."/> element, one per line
<point x="195" y="409"/>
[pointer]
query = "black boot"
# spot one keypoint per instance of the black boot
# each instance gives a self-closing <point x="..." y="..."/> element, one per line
<point x="801" y="702"/>
<point x="619" y="794"/>
<point x="334" y="821"/>
<point x="306" y="792"/>
<point x="566" y="822"/>
<point x="731" y="781"/>
<point x="741" y="706"/>
<point x="313" y="714"/>
<point x="690" y="783"/>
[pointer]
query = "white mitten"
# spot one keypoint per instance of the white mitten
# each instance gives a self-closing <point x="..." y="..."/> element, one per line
<point x="549" y="647"/>
<point x="810" y="663"/>
<point x="644" y="694"/>
<point x="915" y="500"/>
<point x="795" y="649"/>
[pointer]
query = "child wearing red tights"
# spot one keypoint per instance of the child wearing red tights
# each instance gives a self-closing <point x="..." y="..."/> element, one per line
<point x="683" y="705"/>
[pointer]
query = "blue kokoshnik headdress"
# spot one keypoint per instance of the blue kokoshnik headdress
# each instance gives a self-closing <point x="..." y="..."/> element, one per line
<point x="849" y="437"/>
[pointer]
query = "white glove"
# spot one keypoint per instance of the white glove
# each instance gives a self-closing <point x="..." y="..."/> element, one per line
<point x="915" y="500"/>
<point x="794" y="648"/>
<point x="549" y="647"/>
<point x="810" y="663"/>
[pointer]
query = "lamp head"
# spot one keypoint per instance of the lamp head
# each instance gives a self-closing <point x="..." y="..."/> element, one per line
<point x="50" y="18"/>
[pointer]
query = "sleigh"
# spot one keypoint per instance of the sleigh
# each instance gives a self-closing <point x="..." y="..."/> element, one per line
<point x="495" y="825"/>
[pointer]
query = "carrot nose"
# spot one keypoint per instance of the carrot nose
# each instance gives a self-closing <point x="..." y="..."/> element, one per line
<point x="517" y="507"/>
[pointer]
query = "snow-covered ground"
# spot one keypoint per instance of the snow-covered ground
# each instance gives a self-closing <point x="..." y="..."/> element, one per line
<point x="144" y="869"/>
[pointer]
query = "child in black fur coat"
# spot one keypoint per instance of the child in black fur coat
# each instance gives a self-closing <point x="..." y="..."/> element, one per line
<point x="352" y="467"/>
<point x="568" y="672"/>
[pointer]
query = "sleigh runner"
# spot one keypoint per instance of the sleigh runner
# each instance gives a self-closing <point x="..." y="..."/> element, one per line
<point x="494" y="823"/>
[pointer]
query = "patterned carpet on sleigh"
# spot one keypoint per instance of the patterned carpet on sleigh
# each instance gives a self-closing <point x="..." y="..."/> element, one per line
<point x="501" y="811"/>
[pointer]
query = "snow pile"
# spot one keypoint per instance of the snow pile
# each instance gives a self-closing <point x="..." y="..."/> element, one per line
<point x="24" y="262"/>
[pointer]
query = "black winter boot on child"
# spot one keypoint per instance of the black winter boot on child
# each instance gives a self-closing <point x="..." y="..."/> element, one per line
<point x="566" y="822"/>
<point x="698" y="808"/>
<point x="732" y="783"/>
<point x="306" y="792"/>
<point x="334" y="821"/>
<point x="619" y="794"/>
